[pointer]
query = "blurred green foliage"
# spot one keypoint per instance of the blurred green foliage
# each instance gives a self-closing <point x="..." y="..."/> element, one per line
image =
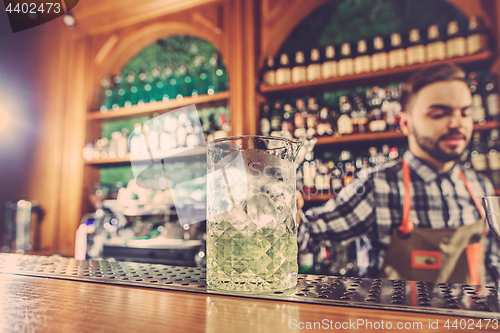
<point x="351" y="20"/>
<point x="173" y="51"/>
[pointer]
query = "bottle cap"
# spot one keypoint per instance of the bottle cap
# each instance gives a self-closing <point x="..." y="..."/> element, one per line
<point x="346" y="49"/>
<point x="378" y="43"/>
<point x="362" y="48"/>
<point x="433" y="32"/>
<point x="395" y="39"/>
<point x="270" y="61"/>
<point x="299" y="57"/>
<point x="452" y="28"/>
<point x="314" y="54"/>
<point x="414" y="36"/>
<point x="284" y="59"/>
<point x="330" y="52"/>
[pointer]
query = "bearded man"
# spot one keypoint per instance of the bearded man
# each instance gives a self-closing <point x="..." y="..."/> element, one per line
<point x="418" y="218"/>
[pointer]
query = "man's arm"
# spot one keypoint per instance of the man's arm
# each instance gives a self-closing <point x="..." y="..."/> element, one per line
<point x="350" y="214"/>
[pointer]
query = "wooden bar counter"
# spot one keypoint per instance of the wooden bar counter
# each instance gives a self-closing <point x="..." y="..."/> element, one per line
<point x="50" y="304"/>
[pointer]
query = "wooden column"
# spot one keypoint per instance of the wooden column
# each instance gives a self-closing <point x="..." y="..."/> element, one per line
<point x="240" y="17"/>
<point x="74" y="126"/>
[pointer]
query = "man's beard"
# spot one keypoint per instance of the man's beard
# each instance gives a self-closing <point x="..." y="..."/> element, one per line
<point x="431" y="146"/>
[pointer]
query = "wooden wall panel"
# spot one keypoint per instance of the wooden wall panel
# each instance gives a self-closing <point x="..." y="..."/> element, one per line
<point x="101" y="16"/>
<point x="74" y="127"/>
<point x="45" y="177"/>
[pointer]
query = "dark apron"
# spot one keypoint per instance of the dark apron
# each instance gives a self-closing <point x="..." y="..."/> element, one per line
<point x="449" y="255"/>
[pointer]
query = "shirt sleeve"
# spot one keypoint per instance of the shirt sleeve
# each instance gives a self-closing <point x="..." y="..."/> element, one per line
<point x="350" y="214"/>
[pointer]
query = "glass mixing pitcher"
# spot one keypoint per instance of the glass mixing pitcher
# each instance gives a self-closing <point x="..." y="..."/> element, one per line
<point x="251" y="214"/>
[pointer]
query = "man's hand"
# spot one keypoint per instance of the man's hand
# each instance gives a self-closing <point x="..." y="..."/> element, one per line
<point x="300" y="204"/>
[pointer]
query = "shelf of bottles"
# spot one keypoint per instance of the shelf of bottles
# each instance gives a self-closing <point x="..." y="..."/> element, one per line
<point x="370" y="113"/>
<point x="322" y="178"/>
<point x="175" y="136"/>
<point x="384" y="57"/>
<point x="162" y="89"/>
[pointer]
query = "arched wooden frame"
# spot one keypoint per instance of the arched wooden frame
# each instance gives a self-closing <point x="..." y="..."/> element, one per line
<point x="279" y="18"/>
<point x="115" y="53"/>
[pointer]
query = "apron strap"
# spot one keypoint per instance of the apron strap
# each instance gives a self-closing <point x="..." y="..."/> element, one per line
<point x="473" y="251"/>
<point x="473" y="196"/>
<point x="407" y="225"/>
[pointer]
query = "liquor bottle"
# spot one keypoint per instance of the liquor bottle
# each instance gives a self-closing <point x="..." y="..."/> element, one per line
<point x="222" y="125"/>
<point x="181" y="131"/>
<point x="269" y="76"/>
<point x="362" y="115"/>
<point x="379" y="56"/>
<point x="377" y="122"/>
<point x="394" y="110"/>
<point x="299" y="68"/>
<point x="157" y="85"/>
<point x="135" y="140"/>
<point x="324" y="127"/>
<point x="165" y="76"/>
<point x="494" y="157"/>
<point x="309" y="172"/>
<point x="478" y="112"/>
<point x="344" y="123"/>
<point x="312" y="117"/>
<point x="299" y="119"/>
<point x="184" y="79"/>
<point x="276" y="119"/>
<point x="416" y="49"/>
<point x="265" y="124"/>
<point x="329" y="66"/>
<point x="477" y="38"/>
<point x="456" y="45"/>
<point x="174" y="85"/>
<point x="314" y="66"/>
<point x="118" y="99"/>
<point x="350" y="170"/>
<point x="336" y="177"/>
<point x="283" y="73"/>
<point x="397" y="57"/>
<point x="373" y="157"/>
<point x="478" y="153"/>
<point x="322" y="180"/>
<point x="107" y="95"/>
<point x="362" y="59"/>
<point x="154" y="134"/>
<point x="345" y="64"/>
<point x="189" y="89"/>
<point x="287" y="121"/>
<point x="203" y="81"/>
<point x="393" y="153"/>
<point x="221" y="75"/>
<point x="491" y="96"/>
<point x="436" y="48"/>
<point x="211" y="126"/>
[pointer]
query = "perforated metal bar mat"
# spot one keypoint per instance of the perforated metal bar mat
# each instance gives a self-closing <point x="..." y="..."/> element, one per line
<point x="423" y="297"/>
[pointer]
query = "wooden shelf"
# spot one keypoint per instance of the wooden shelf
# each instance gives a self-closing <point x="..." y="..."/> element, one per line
<point x="317" y="197"/>
<point x="489" y="125"/>
<point x="370" y="77"/>
<point x="359" y="137"/>
<point x="380" y="136"/>
<point x="326" y="197"/>
<point x="175" y="155"/>
<point x="150" y="108"/>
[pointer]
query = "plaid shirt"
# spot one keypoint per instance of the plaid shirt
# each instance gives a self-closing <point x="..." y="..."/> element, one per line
<point x="370" y="207"/>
